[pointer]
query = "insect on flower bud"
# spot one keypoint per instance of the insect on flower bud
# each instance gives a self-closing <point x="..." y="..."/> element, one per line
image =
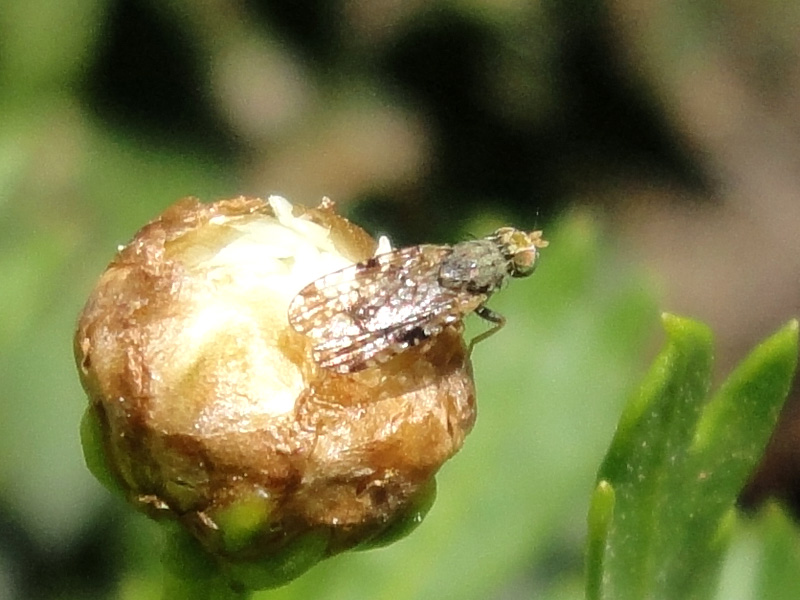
<point x="207" y="407"/>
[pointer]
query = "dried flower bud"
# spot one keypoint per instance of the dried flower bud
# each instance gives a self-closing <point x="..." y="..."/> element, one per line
<point x="206" y="406"/>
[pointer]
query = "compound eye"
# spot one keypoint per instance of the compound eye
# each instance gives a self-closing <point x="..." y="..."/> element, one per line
<point x="524" y="262"/>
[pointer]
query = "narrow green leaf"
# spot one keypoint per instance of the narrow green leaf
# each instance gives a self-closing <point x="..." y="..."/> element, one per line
<point x="601" y="511"/>
<point x="678" y="461"/>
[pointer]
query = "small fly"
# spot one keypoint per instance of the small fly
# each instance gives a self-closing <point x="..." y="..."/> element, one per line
<point x="365" y="314"/>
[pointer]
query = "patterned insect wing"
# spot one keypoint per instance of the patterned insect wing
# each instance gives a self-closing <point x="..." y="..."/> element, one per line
<point x="365" y="314"/>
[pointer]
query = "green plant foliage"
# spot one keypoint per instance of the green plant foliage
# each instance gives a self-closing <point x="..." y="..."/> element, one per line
<point x="94" y="453"/>
<point x="780" y="558"/>
<point x="764" y="559"/>
<point x="406" y="523"/>
<point x="190" y="573"/>
<point x="663" y="508"/>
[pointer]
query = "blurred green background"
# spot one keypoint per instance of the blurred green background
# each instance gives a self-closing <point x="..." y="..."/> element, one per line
<point x="656" y="142"/>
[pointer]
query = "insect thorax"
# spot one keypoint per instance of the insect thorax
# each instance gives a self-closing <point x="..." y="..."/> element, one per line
<point x="476" y="266"/>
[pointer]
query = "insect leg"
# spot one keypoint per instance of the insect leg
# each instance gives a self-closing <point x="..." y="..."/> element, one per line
<point x="495" y="318"/>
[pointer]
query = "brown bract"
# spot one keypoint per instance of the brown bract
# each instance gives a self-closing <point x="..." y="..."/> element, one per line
<point x="207" y="400"/>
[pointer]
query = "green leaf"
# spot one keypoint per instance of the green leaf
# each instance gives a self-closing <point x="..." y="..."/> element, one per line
<point x="601" y="512"/>
<point x="764" y="558"/>
<point x="780" y="560"/>
<point x="677" y="463"/>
